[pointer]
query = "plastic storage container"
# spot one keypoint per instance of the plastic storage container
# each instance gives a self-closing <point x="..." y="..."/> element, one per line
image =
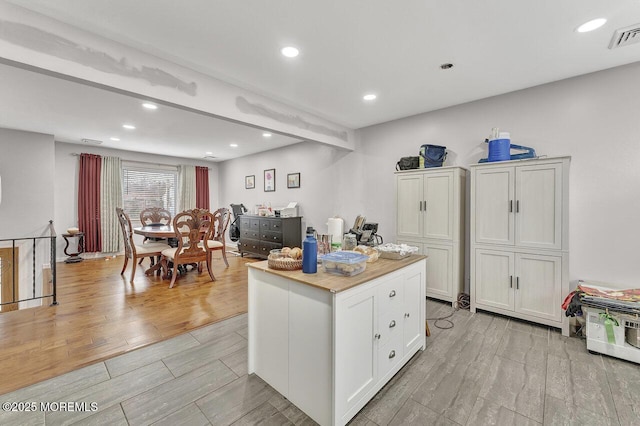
<point x="345" y="263"/>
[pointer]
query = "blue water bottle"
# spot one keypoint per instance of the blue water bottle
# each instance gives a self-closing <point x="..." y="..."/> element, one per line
<point x="310" y="253"/>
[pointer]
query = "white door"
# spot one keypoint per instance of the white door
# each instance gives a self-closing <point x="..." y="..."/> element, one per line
<point x="494" y="279"/>
<point x="438" y="196"/>
<point x="412" y="326"/>
<point x="494" y="205"/>
<point x="539" y="206"/>
<point x="439" y="270"/>
<point x="539" y="286"/>
<point x="410" y="205"/>
<point x="356" y="349"/>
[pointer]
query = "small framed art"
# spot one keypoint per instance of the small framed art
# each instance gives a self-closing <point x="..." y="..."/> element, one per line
<point x="250" y="182"/>
<point x="269" y="180"/>
<point x="293" y="180"/>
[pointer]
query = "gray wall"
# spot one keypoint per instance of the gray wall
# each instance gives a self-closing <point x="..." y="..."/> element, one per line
<point x="331" y="182"/>
<point x="592" y="118"/>
<point x="27" y="172"/>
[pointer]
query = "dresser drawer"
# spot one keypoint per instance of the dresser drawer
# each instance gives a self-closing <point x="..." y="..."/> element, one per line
<point x="247" y="223"/>
<point x="271" y="225"/>
<point x="250" y="233"/>
<point x="249" y="245"/>
<point x="270" y="236"/>
<point x="266" y="247"/>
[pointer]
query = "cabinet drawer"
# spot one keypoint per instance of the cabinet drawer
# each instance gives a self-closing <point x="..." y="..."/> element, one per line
<point x="271" y="236"/>
<point x="389" y="326"/>
<point x="266" y="247"/>
<point x="249" y="223"/>
<point x="390" y="296"/>
<point x="270" y="225"/>
<point x="389" y="355"/>
<point x="249" y="245"/>
<point x="249" y="233"/>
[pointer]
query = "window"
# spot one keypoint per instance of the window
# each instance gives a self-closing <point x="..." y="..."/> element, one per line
<point x="147" y="186"/>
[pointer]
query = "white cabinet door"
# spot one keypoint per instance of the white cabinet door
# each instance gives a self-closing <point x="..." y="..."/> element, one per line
<point x="439" y="270"/>
<point x="357" y="366"/>
<point x="539" y="206"/>
<point x="438" y="206"/>
<point x="412" y="327"/>
<point x="410" y="192"/>
<point x="538" y="286"/>
<point x="494" y="199"/>
<point x="494" y="279"/>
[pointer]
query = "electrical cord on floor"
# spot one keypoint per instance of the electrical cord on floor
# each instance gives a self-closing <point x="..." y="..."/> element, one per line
<point x="462" y="302"/>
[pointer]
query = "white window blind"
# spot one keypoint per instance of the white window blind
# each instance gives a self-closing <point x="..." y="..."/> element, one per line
<point x="148" y="186"/>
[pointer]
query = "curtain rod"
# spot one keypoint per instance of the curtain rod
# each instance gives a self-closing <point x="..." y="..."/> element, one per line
<point x="75" y="154"/>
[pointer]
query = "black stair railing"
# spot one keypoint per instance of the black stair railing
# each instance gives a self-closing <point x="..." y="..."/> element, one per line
<point x="34" y="246"/>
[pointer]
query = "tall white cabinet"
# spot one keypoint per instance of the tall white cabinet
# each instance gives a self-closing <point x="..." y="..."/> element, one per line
<point x="520" y="239"/>
<point x="430" y="215"/>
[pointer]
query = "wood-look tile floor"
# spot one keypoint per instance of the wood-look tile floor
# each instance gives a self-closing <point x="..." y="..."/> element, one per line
<point x="486" y="370"/>
<point x="101" y="315"/>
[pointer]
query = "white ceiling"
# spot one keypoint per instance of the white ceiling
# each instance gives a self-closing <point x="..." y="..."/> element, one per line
<point x="72" y="111"/>
<point x="349" y="48"/>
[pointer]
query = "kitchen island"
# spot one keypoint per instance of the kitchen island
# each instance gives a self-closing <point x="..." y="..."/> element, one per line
<point x="329" y="343"/>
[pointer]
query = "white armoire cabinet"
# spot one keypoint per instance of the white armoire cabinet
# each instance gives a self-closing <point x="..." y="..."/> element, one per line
<point x="430" y="215"/>
<point x="520" y="239"/>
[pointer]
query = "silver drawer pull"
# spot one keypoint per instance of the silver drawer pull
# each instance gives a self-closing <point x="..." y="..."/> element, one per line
<point x="392" y="354"/>
<point x="377" y="336"/>
<point x="392" y="324"/>
<point x="392" y="294"/>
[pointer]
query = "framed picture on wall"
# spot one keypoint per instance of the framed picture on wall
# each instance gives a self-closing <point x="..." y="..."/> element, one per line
<point x="269" y="180"/>
<point x="293" y="180"/>
<point x="250" y="182"/>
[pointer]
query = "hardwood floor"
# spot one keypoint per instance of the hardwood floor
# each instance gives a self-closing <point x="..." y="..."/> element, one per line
<point x="101" y="315"/>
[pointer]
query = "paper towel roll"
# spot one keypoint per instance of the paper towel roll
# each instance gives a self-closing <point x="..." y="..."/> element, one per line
<point x="336" y="230"/>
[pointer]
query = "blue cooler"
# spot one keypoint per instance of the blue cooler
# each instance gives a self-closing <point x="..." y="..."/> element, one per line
<point x="500" y="149"/>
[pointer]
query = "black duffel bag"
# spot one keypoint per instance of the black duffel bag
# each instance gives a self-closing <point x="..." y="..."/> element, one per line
<point x="408" y="163"/>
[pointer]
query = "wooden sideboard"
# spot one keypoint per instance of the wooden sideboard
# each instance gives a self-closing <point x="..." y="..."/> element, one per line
<point x="259" y="235"/>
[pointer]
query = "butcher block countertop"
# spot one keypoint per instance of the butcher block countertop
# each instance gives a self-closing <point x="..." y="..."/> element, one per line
<point x="336" y="283"/>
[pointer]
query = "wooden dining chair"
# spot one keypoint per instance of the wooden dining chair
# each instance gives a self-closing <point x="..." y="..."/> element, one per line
<point x="191" y="228"/>
<point x="131" y="250"/>
<point x="154" y="216"/>
<point x="217" y="242"/>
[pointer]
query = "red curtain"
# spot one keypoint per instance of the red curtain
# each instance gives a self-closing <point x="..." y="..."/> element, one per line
<point x="89" y="201"/>
<point x="202" y="187"/>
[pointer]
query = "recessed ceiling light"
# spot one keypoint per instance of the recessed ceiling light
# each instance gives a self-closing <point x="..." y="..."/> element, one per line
<point x="129" y="126"/>
<point x="369" y="97"/>
<point x="147" y="105"/>
<point x="266" y="134"/>
<point x="115" y="139"/>
<point x="290" y="51"/>
<point x="233" y="145"/>
<point x="591" y="25"/>
<point x="208" y="153"/>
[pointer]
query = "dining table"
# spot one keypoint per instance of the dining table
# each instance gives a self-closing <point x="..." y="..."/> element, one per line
<point x="155" y="231"/>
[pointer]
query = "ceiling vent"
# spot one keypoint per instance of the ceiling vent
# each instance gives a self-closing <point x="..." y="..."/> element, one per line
<point x="92" y="141"/>
<point x="209" y="157"/>
<point x="625" y="36"/>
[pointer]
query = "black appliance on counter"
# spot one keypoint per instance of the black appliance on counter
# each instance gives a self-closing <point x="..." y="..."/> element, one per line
<point x="366" y="232"/>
